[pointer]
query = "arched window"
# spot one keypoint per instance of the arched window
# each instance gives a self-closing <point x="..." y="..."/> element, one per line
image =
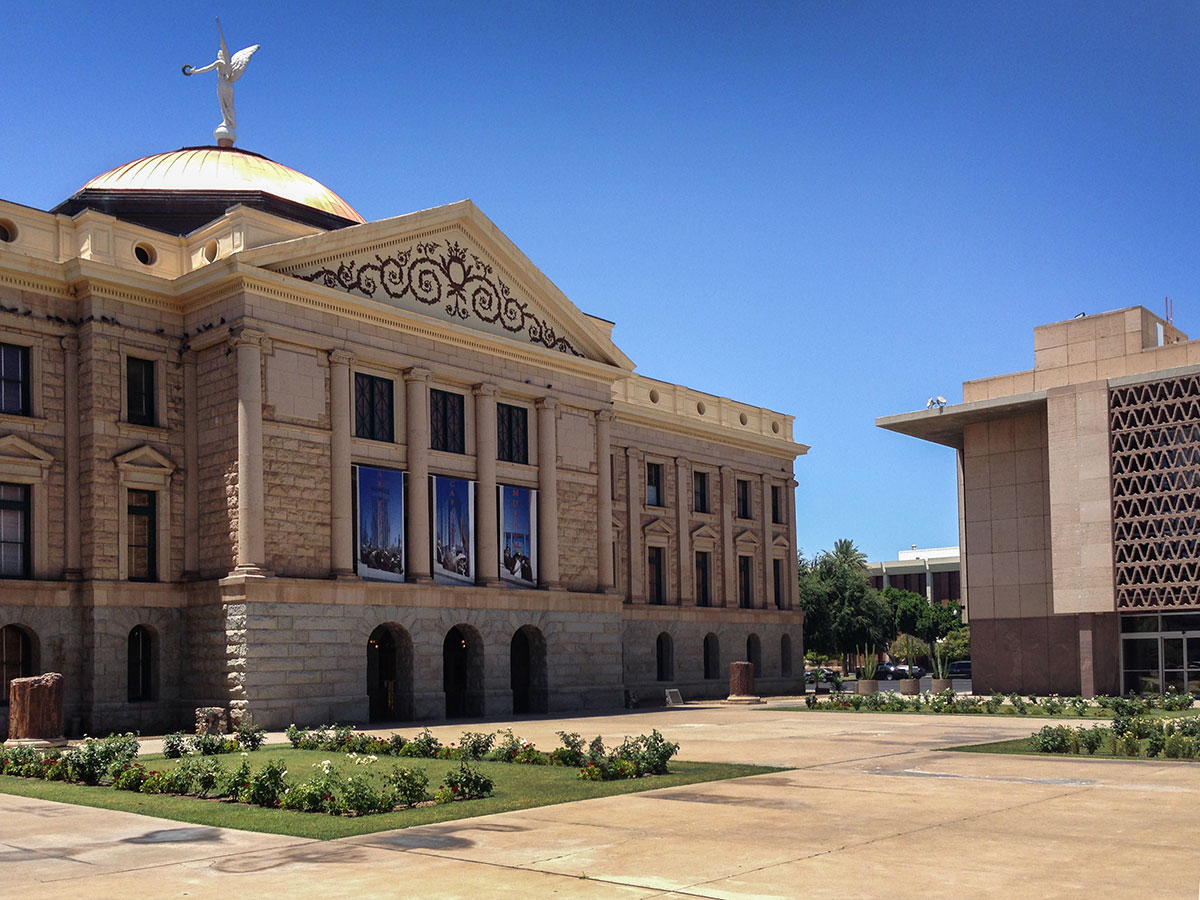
<point x="754" y="654"/>
<point x="16" y="656"/>
<point x="665" y="655"/>
<point x="140" y="683"/>
<point x="785" y="655"/>
<point x="712" y="656"/>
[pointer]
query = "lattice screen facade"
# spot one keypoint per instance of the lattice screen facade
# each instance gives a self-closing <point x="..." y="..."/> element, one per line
<point x="1154" y="434"/>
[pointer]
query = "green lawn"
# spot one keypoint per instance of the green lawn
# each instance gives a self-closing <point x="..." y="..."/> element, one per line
<point x="516" y="787"/>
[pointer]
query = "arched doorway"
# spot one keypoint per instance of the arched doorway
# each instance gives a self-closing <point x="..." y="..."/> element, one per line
<point x="712" y="656"/>
<point x="754" y="654"/>
<point x="16" y="657"/>
<point x="462" y="672"/>
<point x="389" y="674"/>
<point x="527" y="668"/>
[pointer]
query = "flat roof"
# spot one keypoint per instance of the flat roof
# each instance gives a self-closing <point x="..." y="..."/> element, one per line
<point x="945" y="425"/>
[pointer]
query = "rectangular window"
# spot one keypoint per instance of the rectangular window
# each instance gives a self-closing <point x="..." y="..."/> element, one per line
<point x="654" y="491"/>
<point x="512" y="433"/>
<point x="703" y="579"/>
<point x="655" y="575"/>
<point x="745" y="582"/>
<point x="745" y="509"/>
<point x="14" y="531"/>
<point x="373" y="412"/>
<point x="143" y="536"/>
<point x="777" y="571"/>
<point x="14" y="380"/>
<point x="446" y="421"/>
<point x="777" y="505"/>
<point x="139" y="390"/>
<point x="700" y="492"/>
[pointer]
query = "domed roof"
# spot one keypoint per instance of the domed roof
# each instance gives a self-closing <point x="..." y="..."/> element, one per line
<point x="224" y="170"/>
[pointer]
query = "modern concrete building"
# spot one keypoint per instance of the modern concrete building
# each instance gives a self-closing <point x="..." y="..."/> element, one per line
<point x="932" y="572"/>
<point x="1079" y="514"/>
<point x="258" y="453"/>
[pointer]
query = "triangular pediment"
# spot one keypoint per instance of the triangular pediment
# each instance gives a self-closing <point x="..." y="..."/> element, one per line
<point x="705" y="532"/>
<point x="146" y="459"/>
<point x="450" y="264"/>
<point x="780" y="542"/>
<point x="17" y="450"/>
<point x="747" y="536"/>
<point x="660" y="527"/>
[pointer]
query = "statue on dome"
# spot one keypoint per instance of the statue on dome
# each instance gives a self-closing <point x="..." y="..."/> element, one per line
<point x="229" y="69"/>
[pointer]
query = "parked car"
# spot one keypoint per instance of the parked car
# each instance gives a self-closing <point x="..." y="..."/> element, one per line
<point x="902" y="672"/>
<point x="816" y="676"/>
<point x="886" y="671"/>
<point x="960" y="669"/>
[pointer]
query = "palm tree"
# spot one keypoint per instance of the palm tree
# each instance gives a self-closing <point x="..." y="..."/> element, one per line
<point x="847" y="556"/>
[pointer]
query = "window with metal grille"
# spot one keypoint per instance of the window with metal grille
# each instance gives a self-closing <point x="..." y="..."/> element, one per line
<point x="512" y="433"/>
<point x="139" y="390"/>
<point x="14" y="531"/>
<point x="14" y="380"/>
<point x="446" y="421"/>
<point x="373" y="411"/>
<point x="143" y="536"/>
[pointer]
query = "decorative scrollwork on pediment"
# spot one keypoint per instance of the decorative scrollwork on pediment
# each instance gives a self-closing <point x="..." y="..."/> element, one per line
<point x="444" y="275"/>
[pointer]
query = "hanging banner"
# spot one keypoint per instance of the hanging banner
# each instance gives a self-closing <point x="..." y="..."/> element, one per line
<point x="518" y="535"/>
<point x="453" y="530"/>
<point x="379" y="538"/>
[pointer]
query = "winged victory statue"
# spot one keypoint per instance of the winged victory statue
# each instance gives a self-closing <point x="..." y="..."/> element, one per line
<point x="229" y="69"/>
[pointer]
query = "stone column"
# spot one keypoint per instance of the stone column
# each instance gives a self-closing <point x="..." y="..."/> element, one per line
<point x="634" y="497"/>
<point x="191" y="469"/>
<point x="768" y="548"/>
<point x="416" y="531"/>
<point x="728" y="558"/>
<point x="683" y="542"/>
<point x="487" y="525"/>
<point x="790" y="579"/>
<point x="251" y="552"/>
<point x="341" y="430"/>
<point x="547" y="415"/>
<point x="74" y="567"/>
<point x="604" y="529"/>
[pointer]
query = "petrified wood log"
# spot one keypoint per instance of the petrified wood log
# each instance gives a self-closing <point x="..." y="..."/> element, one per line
<point x="35" y="708"/>
<point x="741" y="683"/>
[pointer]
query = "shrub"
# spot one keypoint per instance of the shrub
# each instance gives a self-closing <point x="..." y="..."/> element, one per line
<point x="1078" y="705"/>
<point x="1177" y="702"/>
<point x="529" y="755"/>
<point x="424" y="745"/>
<point x="810" y="700"/>
<point x="468" y="783"/>
<point x="174" y="745"/>
<point x="250" y="737"/>
<point x="1018" y="703"/>
<point x="306" y="796"/>
<point x="590" y="771"/>
<point x="1188" y="725"/>
<point x="1052" y="739"/>
<point x="508" y="747"/>
<point x="395" y="744"/>
<point x="95" y="757"/>
<point x="409" y="784"/>
<point x="571" y="751"/>
<point x="443" y="795"/>
<point x="168" y="781"/>
<point x="1052" y="705"/>
<point x="1090" y="739"/>
<point x="993" y="703"/>
<point x="856" y="701"/>
<point x="294" y="734"/>
<point x="235" y="781"/>
<point x="207" y="744"/>
<point x="1155" y="743"/>
<point x="650" y="754"/>
<point x="475" y="745"/>
<point x="206" y="775"/>
<point x="361" y="799"/>
<point x="266" y="785"/>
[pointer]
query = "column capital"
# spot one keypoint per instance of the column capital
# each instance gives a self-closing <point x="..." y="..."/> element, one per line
<point x="417" y="375"/>
<point x="241" y="334"/>
<point x="793" y="483"/>
<point x="726" y="471"/>
<point x="484" y="389"/>
<point x="633" y="453"/>
<point x="605" y="415"/>
<point x="682" y="462"/>
<point x="550" y="403"/>
<point x="340" y="357"/>
<point x="70" y="343"/>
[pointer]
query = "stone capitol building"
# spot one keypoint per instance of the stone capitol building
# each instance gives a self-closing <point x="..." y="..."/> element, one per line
<point x="261" y="454"/>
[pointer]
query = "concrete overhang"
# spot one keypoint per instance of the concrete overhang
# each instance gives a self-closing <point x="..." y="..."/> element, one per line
<point x="945" y="425"/>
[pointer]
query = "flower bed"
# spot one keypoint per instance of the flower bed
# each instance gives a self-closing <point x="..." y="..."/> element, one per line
<point x="1125" y="736"/>
<point x="112" y="762"/>
<point x="949" y="701"/>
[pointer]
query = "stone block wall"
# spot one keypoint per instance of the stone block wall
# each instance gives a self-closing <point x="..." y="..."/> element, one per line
<point x="216" y="389"/>
<point x="296" y="491"/>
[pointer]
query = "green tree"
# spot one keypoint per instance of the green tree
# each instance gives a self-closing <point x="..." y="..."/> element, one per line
<point x="841" y="609"/>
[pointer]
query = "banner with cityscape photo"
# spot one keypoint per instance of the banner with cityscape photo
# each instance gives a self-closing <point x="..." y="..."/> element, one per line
<point x="453" y="530"/>
<point x="518" y="535"/>
<point x="379" y="538"/>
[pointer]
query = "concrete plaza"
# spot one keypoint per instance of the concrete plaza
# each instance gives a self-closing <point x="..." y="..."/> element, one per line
<point x="871" y="809"/>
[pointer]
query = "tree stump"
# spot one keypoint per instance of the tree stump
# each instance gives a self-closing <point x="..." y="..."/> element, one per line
<point x="741" y="683"/>
<point x="35" y="711"/>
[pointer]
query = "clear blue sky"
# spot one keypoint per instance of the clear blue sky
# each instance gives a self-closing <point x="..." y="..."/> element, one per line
<point x="831" y="209"/>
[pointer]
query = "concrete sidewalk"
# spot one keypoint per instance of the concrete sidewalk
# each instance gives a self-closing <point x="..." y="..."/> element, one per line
<point x="872" y="809"/>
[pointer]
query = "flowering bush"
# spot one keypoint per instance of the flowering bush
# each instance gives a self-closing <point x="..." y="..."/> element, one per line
<point x="571" y="751"/>
<point x="130" y="777"/>
<point x="468" y="783"/>
<point x="250" y="737"/>
<point x="475" y="745"/>
<point x="409" y="784"/>
<point x="266" y="785"/>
